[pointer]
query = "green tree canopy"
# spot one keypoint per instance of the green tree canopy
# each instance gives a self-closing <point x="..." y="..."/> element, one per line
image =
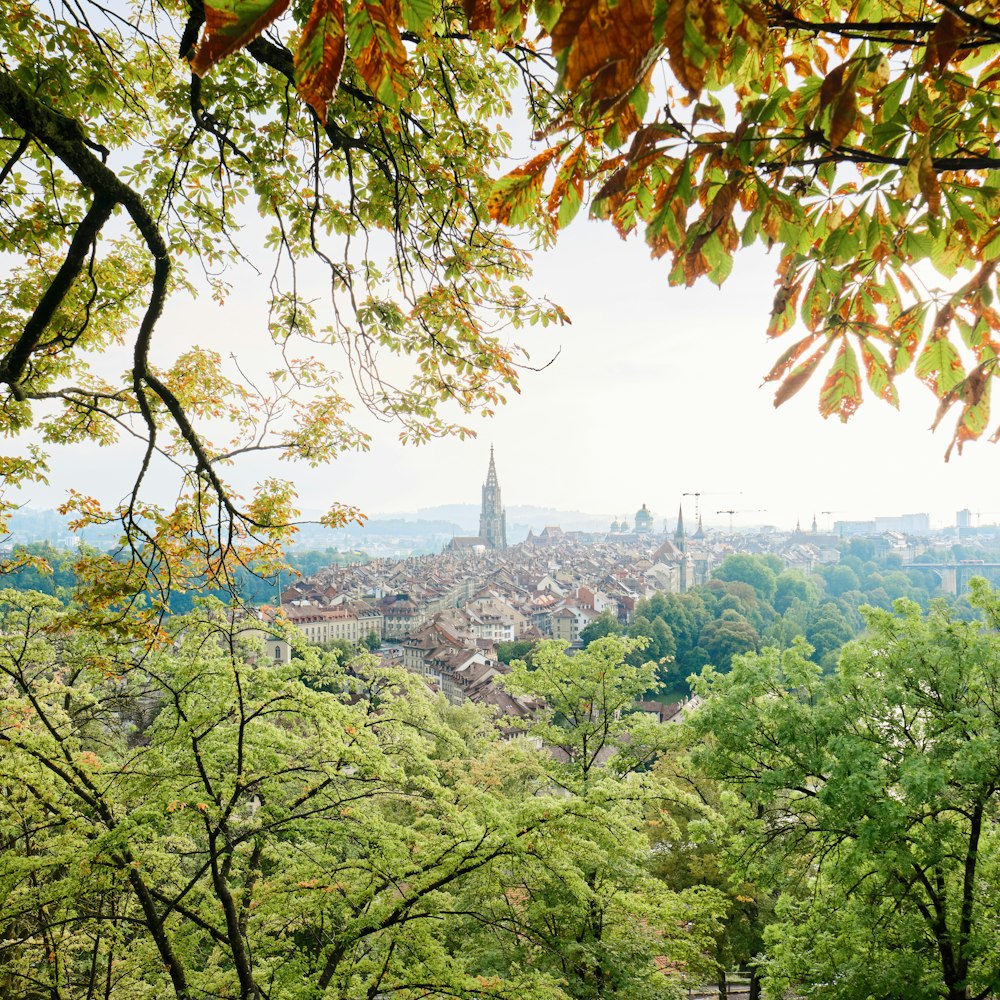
<point x="604" y="624"/>
<point x="727" y="636"/>
<point x="793" y="585"/>
<point x="872" y="798"/>
<point x="192" y="819"/>
<point x="752" y="570"/>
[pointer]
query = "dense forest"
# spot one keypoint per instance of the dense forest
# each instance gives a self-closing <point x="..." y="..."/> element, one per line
<point x="754" y="602"/>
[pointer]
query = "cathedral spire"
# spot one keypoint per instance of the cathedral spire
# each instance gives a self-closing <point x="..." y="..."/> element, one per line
<point x="679" y="539"/>
<point x="493" y="517"/>
<point x="491" y="476"/>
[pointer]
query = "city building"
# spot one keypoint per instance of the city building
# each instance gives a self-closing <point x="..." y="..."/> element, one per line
<point x="493" y="518"/>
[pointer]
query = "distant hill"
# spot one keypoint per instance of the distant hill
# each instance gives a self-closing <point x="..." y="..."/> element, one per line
<point x="520" y="519"/>
<point x="428" y="529"/>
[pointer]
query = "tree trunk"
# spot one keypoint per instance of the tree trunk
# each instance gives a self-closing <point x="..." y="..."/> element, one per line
<point x="723" y="986"/>
<point x="754" y="985"/>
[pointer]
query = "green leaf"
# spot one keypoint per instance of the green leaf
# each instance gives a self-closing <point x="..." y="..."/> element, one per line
<point x="377" y="49"/>
<point x="841" y="392"/>
<point x="939" y="365"/>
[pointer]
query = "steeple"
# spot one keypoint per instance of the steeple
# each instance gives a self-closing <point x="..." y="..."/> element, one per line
<point x="814" y="524"/>
<point x="491" y="476"/>
<point x="493" y="517"/>
<point x="700" y="532"/>
<point x="679" y="539"/>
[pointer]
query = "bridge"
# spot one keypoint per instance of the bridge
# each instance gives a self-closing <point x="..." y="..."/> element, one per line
<point x="955" y="576"/>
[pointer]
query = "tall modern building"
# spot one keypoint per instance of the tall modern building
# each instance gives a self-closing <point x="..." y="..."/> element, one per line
<point x="492" y="517"/>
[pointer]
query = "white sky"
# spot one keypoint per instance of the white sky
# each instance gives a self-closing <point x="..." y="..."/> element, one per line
<point x="656" y="392"/>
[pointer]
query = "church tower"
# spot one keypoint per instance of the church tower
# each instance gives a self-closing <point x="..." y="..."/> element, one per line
<point x="493" y="518"/>
<point x="679" y="540"/>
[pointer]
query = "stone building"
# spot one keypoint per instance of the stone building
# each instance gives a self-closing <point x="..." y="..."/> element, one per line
<point x="493" y="517"/>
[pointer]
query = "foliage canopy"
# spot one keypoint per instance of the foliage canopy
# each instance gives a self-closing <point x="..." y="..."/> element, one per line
<point x="871" y="797"/>
<point x="194" y="819"/>
<point x="855" y="139"/>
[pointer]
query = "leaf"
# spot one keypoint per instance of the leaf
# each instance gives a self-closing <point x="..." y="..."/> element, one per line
<point x="609" y="46"/>
<point x="927" y="178"/>
<point x="989" y="246"/>
<point x="567" y="28"/>
<point x="844" y="117"/>
<point x="832" y="87"/>
<point x="377" y="48"/>
<point x="693" y="30"/>
<point x="790" y="357"/>
<point x="798" y="378"/>
<point x="878" y="373"/>
<point x="566" y="196"/>
<point x="418" y="15"/>
<point x="319" y="58"/>
<point x="939" y="365"/>
<point x="230" y="25"/>
<point x="479" y="14"/>
<point x="943" y="42"/>
<point x="514" y="195"/>
<point x="841" y="392"/>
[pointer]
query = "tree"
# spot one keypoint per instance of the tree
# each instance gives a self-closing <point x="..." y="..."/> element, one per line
<point x="136" y="146"/>
<point x="752" y="570"/>
<point x="518" y="649"/>
<point x="793" y="585"/>
<point x="840" y="579"/>
<point x="604" y="624"/>
<point x="611" y="927"/>
<point x="858" y="140"/>
<point x="856" y="137"/>
<point x="727" y="636"/>
<point x="192" y="818"/>
<point x="827" y="630"/>
<point x="690" y="848"/>
<point x="873" y="796"/>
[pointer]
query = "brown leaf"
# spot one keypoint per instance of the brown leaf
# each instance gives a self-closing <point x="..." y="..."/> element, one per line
<point x="707" y="19"/>
<point x="610" y="46"/>
<point x="566" y="29"/>
<point x="520" y="187"/>
<point x="799" y="377"/>
<point x="479" y="14"/>
<point x="944" y="40"/>
<point x="229" y="26"/>
<point x="832" y="87"/>
<point x="844" y="118"/>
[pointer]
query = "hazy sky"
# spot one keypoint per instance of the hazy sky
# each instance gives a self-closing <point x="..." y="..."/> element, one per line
<point x="655" y="392"/>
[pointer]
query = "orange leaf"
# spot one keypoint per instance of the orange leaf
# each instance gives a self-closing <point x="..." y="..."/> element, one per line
<point x="479" y="14"/>
<point x="230" y="25"/>
<point x="514" y="194"/>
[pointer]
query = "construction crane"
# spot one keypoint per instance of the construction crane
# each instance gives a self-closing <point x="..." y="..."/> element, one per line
<point x="827" y="513"/>
<point x="748" y="510"/>
<point x="698" y="494"/>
